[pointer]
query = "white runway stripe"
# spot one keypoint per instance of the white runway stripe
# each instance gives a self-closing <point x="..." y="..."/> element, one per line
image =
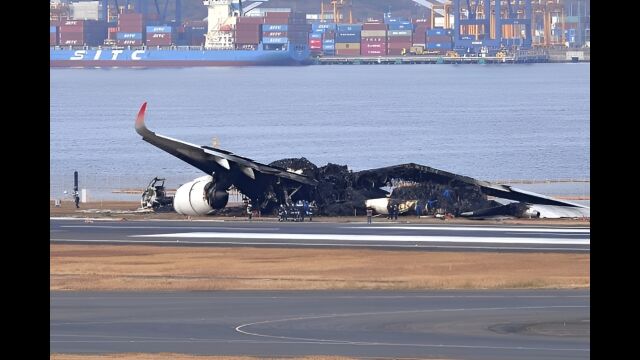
<point x="388" y="238"/>
<point x="315" y="244"/>
<point x="478" y="228"/>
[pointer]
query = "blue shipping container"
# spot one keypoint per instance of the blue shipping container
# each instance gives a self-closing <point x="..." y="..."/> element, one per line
<point x="400" y="26"/>
<point x="329" y="41"/>
<point x="328" y="47"/>
<point x="129" y="36"/>
<point x="315" y="36"/>
<point x="330" y="26"/>
<point x="52" y="29"/>
<point x="446" y="46"/>
<point x="348" y="39"/>
<point x="159" y="29"/>
<point x="350" y="28"/>
<point x="269" y="27"/>
<point x="348" y="33"/>
<point x="434" y="32"/>
<point x="323" y="26"/>
<point x="392" y="20"/>
<point x="275" y="40"/>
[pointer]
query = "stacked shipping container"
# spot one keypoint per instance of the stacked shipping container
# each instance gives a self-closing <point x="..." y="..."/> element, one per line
<point x="194" y="32"/>
<point x="420" y="28"/>
<point x="439" y="39"/>
<point x="53" y="35"/>
<point x="160" y="36"/>
<point x="82" y="32"/>
<point x="399" y="35"/>
<point x="373" y="39"/>
<point x="329" y="42"/>
<point x="269" y="30"/>
<point x="248" y="32"/>
<point x="130" y="30"/>
<point x="347" y="41"/>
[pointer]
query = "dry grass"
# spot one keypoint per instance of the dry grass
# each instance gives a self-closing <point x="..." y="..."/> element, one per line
<point x="174" y="356"/>
<point x="142" y="268"/>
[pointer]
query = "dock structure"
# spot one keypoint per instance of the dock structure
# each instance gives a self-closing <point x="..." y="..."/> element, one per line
<point x="523" y="57"/>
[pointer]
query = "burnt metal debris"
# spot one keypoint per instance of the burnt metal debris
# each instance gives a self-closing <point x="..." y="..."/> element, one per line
<point x="343" y="192"/>
<point x="335" y="190"/>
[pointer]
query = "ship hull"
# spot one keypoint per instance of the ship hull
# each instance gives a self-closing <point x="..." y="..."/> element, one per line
<point x="108" y="57"/>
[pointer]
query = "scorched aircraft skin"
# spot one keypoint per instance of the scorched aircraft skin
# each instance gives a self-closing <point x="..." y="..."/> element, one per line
<point x="336" y="190"/>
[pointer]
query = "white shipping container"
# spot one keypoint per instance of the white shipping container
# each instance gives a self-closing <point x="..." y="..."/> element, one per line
<point x="86" y="10"/>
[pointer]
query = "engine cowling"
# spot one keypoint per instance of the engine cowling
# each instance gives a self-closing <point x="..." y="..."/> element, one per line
<point x="199" y="197"/>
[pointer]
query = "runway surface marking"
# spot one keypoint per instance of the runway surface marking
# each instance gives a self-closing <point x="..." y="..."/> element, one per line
<point x="413" y="246"/>
<point x="477" y="228"/>
<point x="359" y="297"/>
<point x="239" y="328"/>
<point x="167" y="227"/>
<point x="389" y="238"/>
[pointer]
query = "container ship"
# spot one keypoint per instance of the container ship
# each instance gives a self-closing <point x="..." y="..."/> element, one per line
<point x="226" y="39"/>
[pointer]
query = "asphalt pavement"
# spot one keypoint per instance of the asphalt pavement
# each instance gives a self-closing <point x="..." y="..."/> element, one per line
<point x="449" y="237"/>
<point x="518" y="324"/>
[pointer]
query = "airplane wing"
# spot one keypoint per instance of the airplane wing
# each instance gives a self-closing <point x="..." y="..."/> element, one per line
<point x="213" y="160"/>
<point x="420" y="173"/>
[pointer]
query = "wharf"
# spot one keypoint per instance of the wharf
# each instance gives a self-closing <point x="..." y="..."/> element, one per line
<point x="520" y="57"/>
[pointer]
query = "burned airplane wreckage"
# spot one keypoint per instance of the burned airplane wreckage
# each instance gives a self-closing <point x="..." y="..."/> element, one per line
<point x="335" y="190"/>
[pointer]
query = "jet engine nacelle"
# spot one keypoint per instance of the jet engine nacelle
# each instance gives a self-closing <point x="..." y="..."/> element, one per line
<point x="199" y="197"/>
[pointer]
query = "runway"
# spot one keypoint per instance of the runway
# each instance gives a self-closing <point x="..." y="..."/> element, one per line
<point x="315" y="234"/>
<point x="541" y="324"/>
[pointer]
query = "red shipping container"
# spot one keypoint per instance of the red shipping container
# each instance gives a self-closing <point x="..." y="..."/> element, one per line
<point x="247" y="37"/>
<point x="248" y="27"/>
<point x="419" y="37"/>
<point x="130" y="16"/>
<point x="246" y="46"/>
<point x="426" y="21"/>
<point x="72" y="36"/>
<point x="158" y="36"/>
<point x="159" y="42"/>
<point x="129" y="42"/>
<point x="73" y="23"/>
<point x="131" y="29"/>
<point x="245" y="20"/>
<point x="274" y="34"/>
<point x="373" y="52"/>
<point x="71" y="42"/>
<point x="373" y="46"/>
<point x="374" y="39"/>
<point x="399" y="45"/>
